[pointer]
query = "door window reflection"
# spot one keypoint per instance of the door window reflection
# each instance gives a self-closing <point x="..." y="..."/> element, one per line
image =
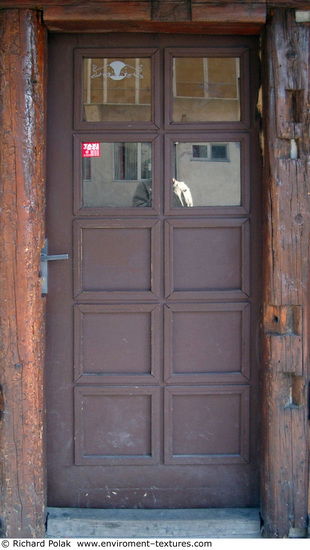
<point x="119" y="176"/>
<point x="206" y="89"/>
<point x="117" y="89"/>
<point x="206" y="174"/>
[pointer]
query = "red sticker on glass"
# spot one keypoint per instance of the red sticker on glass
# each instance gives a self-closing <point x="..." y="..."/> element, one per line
<point x="90" y="149"/>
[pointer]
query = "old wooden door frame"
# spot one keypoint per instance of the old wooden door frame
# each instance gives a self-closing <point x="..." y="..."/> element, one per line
<point x="285" y="308"/>
<point x="285" y="329"/>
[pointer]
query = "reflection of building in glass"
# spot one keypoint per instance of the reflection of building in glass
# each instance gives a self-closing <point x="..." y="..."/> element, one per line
<point x="211" y="170"/>
<point x="111" y="179"/>
<point x="86" y="169"/>
<point x="117" y="89"/>
<point x="206" y="89"/>
<point x="212" y="151"/>
<point x="132" y="161"/>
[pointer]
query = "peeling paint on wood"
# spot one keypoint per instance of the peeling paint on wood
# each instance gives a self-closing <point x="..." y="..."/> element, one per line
<point x="22" y="135"/>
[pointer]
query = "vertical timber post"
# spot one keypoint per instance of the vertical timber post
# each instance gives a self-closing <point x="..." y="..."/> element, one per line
<point x="286" y="277"/>
<point x="22" y="176"/>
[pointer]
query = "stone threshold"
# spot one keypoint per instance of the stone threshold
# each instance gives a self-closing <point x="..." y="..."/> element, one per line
<point x="193" y="523"/>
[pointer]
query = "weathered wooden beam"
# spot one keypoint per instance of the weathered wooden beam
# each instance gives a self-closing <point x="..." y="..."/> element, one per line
<point x="41" y="4"/>
<point x="286" y="277"/>
<point x="161" y="8"/>
<point x="233" y="12"/>
<point x="157" y="17"/>
<point x="104" y="12"/>
<point x="171" y="10"/>
<point x="150" y="15"/>
<point x="22" y="167"/>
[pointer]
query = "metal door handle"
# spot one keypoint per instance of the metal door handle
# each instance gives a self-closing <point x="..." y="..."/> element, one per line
<point x="45" y="257"/>
<point x="48" y="257"/>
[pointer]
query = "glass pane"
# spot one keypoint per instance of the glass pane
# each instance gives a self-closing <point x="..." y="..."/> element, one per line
<point x="207" y="174"/>
<point x="117" y="174"/>
<point x="117" y="89"/>
<point x="206" y="89"/>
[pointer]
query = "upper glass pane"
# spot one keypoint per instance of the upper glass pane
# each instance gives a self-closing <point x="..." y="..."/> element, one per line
<point x="206" y="174"/>
<point x="206" y="89"/>
<point x="117" y="174"/>
<point x="117" y="89"/>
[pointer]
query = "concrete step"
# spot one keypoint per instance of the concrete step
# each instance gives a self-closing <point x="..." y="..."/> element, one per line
<point x="194" y="523"/>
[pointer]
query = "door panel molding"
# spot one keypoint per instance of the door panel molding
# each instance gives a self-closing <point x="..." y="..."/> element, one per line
<point x="140" y="323"/>
<point x="191" y="358"/>
<point x="126" y="440"/>
<point x="222" y="284"/>
<point x="118" y="280"/>
<point x="181" y="440"/>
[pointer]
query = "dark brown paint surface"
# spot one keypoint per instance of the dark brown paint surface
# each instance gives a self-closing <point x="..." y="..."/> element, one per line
<point x="152" y="369"/>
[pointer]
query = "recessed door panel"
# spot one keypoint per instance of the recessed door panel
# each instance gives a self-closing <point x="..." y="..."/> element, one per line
<point x="207" y="343"/>
<point x="116" y="425"/>
<point x="207" y="258"/>
<point x="207" y="425"/>
<point x="116" y="341"/>
<point x="115" y="257"/>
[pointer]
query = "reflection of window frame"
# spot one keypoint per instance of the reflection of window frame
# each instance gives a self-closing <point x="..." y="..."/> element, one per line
<point x="210" y="157"/>
<point x="199" y="148"/>
<point x="138" y="163"/>
<point x="86" y="169"/>
<point x="221" y="159"/>
<point x="206" y="94"/>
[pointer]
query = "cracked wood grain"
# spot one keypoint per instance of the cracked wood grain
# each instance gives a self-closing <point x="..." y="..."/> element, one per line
<point x="286" y="278"/>
<point x="22" y="133"/>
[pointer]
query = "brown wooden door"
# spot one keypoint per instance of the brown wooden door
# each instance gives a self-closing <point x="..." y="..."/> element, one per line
<point x="152" y="322"/>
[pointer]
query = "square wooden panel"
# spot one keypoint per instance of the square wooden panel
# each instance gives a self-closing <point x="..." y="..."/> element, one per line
<point x="116" y="343"/>
<point x="207" y="425"/>
<point x="207" y="259"/>
<point x="116" y="425"/>
<point x="207" y="343"/>
<point x="116" y="259"/>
